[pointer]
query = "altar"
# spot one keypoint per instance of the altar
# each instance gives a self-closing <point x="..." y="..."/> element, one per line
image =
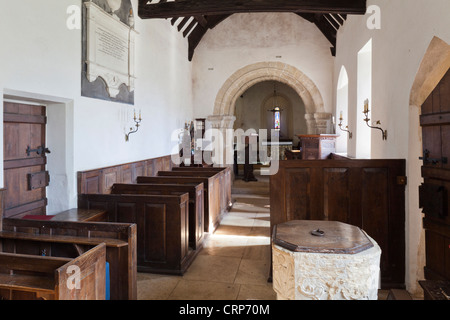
<point x="281" y="146"/>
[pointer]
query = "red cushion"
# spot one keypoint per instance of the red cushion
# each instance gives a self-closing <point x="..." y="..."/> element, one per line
<point x="37" y="217"/>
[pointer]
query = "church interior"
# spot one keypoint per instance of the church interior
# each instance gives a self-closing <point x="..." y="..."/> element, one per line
<point x="225" y="150"/>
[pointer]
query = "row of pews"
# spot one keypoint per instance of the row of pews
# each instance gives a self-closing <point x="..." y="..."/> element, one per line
<point x="47" y="259"/>
<point x="172" y="211"/>
<point x="155" y="224"/>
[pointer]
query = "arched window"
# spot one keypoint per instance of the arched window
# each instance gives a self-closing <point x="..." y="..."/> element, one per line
<point x="364" y="134"/>
<point x="342" y="110"/>
<point x="277" y="119"/>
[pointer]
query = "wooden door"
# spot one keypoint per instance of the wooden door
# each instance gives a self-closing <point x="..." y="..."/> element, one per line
<point x="433" y="193"/>
<point x="25" y="178"/>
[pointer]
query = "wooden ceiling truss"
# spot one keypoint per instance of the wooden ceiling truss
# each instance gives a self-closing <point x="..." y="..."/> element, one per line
<point x="195" y="17"/>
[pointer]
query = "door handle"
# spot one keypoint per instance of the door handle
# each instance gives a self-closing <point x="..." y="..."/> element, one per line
<point x="41" y="150"/>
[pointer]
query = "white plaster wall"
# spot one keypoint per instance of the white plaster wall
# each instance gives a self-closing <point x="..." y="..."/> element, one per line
<point x="407" y="27"/>
<point x="40" y="56"/>
<point x="248" y="38"/>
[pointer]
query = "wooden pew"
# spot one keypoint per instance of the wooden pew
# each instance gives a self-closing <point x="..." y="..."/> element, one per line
<point x="162" y="227"/>
<point x="31" y="277"/>
<point x="212" y="214"/>
<point x="221" y="175"/>
<point x="226" y="181"/>
<point x="66" y="238"/>
<point x="196" y="203"/>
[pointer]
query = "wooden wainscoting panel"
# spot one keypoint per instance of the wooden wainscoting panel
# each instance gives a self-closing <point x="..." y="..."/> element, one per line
<point x="154" y="244"/>
<point x="100" y="180"/>
<point x="336" y="194"/>
<point x="298" y="192"/>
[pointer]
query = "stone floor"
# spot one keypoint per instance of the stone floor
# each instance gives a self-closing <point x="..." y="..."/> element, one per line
<point x="234" y="263"/>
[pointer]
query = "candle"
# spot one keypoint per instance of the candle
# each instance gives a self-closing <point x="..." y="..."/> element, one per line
<point x="366" y="105"/>
<point x="341" y="118"/>
<point x="140" y="118"/>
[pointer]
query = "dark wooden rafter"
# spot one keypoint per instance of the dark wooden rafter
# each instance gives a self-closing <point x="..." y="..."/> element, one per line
<point x="328" y="24"/>
<point x="189" y="27"/>
<point x="196" y="17"/>
<point x="197" y="34"/>
<point x="183" y="8"/>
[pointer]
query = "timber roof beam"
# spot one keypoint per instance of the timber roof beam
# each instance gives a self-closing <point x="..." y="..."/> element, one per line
<point x="198" y="16"/>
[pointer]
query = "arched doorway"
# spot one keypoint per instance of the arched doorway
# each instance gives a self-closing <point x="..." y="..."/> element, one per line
<point x="433" y="67"/>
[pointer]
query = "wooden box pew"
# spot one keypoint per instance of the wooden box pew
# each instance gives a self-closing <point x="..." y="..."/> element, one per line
<point x="67" y="238"/>
<point x="196" y="203"/>
<point x="212" y="213"/>
<point x="34" y="277"/>
<point x="162" y="227"/>
<point x="218" y="178"/>
<point x="226" y="183"/>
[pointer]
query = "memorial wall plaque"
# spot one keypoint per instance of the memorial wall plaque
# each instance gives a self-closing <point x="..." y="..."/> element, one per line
<point x="110" y="48"/>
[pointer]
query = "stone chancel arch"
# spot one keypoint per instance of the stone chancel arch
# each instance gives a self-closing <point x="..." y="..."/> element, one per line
<point x="246" y="77"/>
<point x="318" y="121"/>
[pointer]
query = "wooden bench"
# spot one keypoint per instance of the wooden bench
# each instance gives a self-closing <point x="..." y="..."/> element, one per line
<point x="31" y="277"/>
<point x="162" y="227"/>
<point x="74" y="214"/>
<point x="196" y="203"/>
<point x="226" y="181"/>
<point x="79" y="214"/>
<point x="212" y="212"/>
<point x="68" y="238"/>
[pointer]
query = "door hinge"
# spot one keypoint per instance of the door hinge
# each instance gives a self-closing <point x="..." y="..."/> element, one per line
<point x="41" y="150"/>
<point x="427" y="160"/>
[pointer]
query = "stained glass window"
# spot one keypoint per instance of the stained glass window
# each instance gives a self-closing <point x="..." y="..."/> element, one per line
<point x="277" y="117"/>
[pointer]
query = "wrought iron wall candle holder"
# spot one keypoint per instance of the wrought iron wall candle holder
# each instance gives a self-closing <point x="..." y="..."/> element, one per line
<point x="137" y="125"/>
<point x="350" y="134"/>
<point x="366" y="113"/>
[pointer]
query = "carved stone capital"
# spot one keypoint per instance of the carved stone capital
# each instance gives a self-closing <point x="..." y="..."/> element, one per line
<point x="310" y="123"/>
<point x="323" y="121"/>
<point x="221" y="121"/>
<point x="322" y="116"/>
